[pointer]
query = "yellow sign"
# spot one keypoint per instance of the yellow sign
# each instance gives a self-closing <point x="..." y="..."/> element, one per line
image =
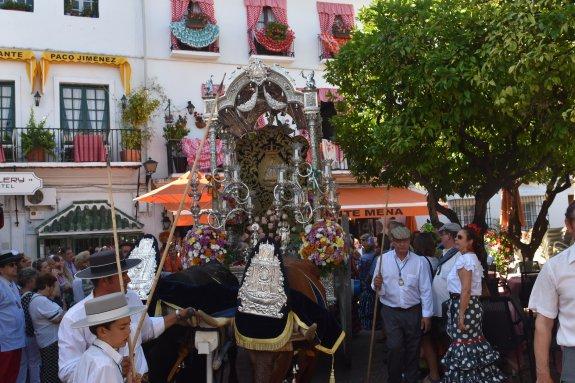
<point x="87" y="58"/>
<point x="21" y="55"/>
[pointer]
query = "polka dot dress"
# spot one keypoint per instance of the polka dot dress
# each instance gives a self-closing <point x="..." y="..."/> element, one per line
<point x="470" y="358"/>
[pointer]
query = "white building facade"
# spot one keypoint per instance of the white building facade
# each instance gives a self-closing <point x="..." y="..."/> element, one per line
<point x="82" y="56"/>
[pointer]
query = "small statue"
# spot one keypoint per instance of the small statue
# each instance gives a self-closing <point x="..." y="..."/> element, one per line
<point x="309" y="79"/>
<point x="210" y="86"/>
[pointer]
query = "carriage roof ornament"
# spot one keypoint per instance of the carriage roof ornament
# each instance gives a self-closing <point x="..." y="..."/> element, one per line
<point x="262" y="291"/>
<point x="142" y="275"/>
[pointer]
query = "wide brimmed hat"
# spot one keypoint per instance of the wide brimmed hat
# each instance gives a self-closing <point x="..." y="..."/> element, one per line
<point x="107" y="308"/>
<point x="10" y="256"/>
<point x="103" y="264"/>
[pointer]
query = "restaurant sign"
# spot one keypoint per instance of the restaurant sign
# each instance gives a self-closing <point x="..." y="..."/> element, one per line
<point x="373" y="213"/>
<point x="19" y="183"/>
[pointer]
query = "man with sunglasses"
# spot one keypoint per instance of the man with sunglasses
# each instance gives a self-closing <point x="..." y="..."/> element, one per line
<point x="553" y="297"/>
<point x="12" y="335"/>
<point x="403" y="282"/>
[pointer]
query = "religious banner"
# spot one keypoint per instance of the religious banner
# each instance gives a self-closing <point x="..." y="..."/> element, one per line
<point x="87" y="58"/>
<point x="22" y="55"/>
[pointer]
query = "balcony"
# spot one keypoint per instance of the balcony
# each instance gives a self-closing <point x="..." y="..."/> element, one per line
<point x="78" y="146"/>
<point x="286" y="55"/>
<point x="329" y="45"/>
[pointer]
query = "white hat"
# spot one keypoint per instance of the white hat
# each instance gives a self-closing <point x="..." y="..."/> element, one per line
<point x="107" y="308"/>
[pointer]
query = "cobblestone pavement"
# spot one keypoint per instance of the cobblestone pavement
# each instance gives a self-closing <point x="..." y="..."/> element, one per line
<point x="357" y="370"/>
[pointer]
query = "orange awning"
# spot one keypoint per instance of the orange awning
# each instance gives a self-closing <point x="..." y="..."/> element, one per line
<point x="378" y="202"/>
<point x="186" y="219"/>
<point x="171" y="193"/>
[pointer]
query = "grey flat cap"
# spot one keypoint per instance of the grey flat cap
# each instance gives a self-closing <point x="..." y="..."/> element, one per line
<point x="451" y="226"/>
<point x="107" y="308"/>
<point x="400" y="232"/>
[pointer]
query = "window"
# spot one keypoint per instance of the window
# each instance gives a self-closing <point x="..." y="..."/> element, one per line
<point x="18" y="5"/>
<point x="85" y="8"/>
<point x="266" y="17"/>
<point x="465" y="210"/>
<point x="194" y="7"/>
<point x="531" y="208"/>
<point x="84" y="107"/>
<point x="6" y="106"/>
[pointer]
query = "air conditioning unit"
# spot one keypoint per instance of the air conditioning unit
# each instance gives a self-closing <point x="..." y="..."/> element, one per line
<point x="39" y="214"/>
<point x="42" y="197"/>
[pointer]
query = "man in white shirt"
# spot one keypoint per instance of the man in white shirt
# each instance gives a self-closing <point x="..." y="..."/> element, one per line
<point x="553" y="296"/>
<point x="73" y="342"/>
<point x="447" y="234"/>
<point x="403" y="283"/>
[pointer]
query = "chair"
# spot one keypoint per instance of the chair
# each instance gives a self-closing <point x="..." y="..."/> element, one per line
<point x="506" y="333"/>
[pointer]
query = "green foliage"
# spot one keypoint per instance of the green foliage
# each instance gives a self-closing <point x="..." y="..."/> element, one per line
<point x="37" y="136"/>
<point x="178" y="130"/>
<point x="462" y="96"/>
<point x="141" y="105"/>
<point x="276" y="31"/>
<point x="17" y="6"/>
<point x="134" y="138"/>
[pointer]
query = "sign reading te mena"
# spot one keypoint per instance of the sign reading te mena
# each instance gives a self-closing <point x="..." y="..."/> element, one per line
<point x="19" y="183"/>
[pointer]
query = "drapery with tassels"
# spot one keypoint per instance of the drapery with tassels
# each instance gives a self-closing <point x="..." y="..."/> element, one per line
<point x="327" y="13"/>
<point x="180" y="8"/>
<point x="254" y="10"/>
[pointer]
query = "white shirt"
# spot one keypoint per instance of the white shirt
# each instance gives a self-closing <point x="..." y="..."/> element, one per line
<point x="439" y="284"/>
<point x="42" y="312"/>
<point x="553" y="294"/>
<point x="469" y="262"/>
<point x="73" y="342"/>
<point x="99" y="363"/>
<point x="416" y="278"/>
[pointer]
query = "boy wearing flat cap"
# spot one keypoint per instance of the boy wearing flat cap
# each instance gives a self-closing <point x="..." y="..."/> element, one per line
<point x="12" y="335"/>
<point x="108" y="318"/>
<point x="403" y="282"/>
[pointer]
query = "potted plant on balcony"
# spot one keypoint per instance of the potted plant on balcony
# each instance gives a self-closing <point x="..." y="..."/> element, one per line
<point x="16" y="6"/>
<point x="276" y="31"/>
<point x="196" y="20"/>
<point x="37" y="140"/>
<point x="138" y="108"/>
<point x="174" y="133"/>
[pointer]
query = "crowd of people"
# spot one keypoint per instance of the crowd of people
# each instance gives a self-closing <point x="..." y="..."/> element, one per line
<point x="429" y="287"/>
<point x="63" y="318"/>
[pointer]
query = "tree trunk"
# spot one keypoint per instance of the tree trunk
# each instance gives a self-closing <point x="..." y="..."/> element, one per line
<point x="555" y="186"/>
<point x="449" y="213"/>
<point x="431" y="202"/>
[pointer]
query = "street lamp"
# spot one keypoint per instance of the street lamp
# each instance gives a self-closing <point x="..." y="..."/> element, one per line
<point x="150" y="167"/>
<point x="191" y="107"/>
<point x="37" y="97"/>
<point x="166" y="223"/>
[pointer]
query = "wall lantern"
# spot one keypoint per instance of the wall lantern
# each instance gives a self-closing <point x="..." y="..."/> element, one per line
<point x="191" y="108"/>
<point x="37" y="97"/>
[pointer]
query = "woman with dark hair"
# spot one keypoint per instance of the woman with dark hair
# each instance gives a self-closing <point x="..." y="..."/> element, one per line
<point x="470" y="358"/>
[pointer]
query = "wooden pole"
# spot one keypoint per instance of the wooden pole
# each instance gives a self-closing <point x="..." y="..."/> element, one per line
<point x="372" y="337"/>
<point x="117" y="251"/>
<point x="177" y="217"/>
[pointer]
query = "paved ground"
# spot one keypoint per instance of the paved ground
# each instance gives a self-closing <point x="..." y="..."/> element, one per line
<point x="357" y="370"/>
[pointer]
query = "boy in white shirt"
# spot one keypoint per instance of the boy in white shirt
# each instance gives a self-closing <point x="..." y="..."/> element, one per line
<point x="108" y="317"/>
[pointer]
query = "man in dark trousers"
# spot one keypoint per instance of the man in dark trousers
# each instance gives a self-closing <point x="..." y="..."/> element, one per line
<point x="403" y="283"/>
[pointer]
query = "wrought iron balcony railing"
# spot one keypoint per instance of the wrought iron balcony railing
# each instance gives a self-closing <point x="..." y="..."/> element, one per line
<point x="70" y="145"/>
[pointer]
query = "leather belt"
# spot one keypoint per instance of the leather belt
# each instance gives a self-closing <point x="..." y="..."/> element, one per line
<point x="412" y="308"/>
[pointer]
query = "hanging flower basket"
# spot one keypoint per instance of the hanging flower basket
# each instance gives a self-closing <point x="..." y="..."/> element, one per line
<point x="323" y="244"/>
<point x="204" y="244"/>
<point x="196" y="38"/>
<point x="196" y="20"/>
<point x="273" y="45"/>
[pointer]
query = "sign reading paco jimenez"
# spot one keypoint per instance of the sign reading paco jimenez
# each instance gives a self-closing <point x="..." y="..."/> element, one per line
<point x="19" y="183"/>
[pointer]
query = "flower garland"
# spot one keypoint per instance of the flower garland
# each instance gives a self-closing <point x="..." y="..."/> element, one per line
<point x="273" y="45"/>
<point x="323" y="244"/>
<point x="196" y="38"/>
<point x="500" y="248"/>
<point x="204" y="244"/>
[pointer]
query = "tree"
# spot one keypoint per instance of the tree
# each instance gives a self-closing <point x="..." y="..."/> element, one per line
<point x="461" y="96"/>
